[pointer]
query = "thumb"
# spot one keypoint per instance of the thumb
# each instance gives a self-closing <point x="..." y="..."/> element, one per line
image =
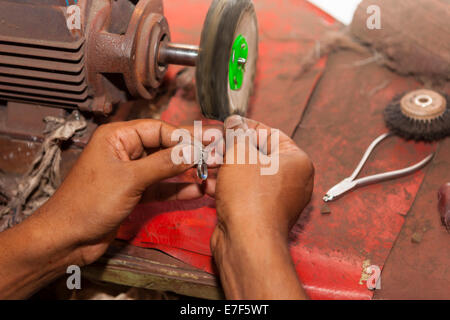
<point x="162" y="165"/>
<point x="235" y="122"/>
<point x="237" y="130"/>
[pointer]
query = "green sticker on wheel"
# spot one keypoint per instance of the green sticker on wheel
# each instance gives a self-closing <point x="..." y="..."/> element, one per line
<point x="238" y="59"/>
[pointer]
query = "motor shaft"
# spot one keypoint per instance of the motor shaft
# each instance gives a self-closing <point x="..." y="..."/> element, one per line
<point x="180" y="54"/>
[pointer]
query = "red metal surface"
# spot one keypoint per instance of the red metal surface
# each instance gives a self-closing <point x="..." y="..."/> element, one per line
<point x="179" y="229"/>
<point x="418" y="266"/>
<point x="343" y="117"/>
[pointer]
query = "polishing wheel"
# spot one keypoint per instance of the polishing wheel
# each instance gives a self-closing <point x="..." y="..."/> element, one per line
<point x="421" y="115"/>
<point x="225" y="60"/>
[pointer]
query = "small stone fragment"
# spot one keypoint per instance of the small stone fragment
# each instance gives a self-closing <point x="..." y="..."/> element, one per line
<point x="325" y="209"/>
<point x="416" y="238"/>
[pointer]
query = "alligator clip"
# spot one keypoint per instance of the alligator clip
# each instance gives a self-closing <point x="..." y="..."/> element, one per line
<point x="351" y="182"/>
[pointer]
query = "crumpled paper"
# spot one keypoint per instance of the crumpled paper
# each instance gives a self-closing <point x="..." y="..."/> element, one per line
<point x="43" y="177"/>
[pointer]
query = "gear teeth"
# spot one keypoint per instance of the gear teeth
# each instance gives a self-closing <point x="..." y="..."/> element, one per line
<point x="413" y="129"/>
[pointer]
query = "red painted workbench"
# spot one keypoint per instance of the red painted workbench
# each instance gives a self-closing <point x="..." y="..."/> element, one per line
<point x="333" y="112"/>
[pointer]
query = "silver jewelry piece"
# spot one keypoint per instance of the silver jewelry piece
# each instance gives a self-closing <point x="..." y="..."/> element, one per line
<point x="202" y="167"/>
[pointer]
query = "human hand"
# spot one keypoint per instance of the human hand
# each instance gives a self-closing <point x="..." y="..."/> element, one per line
<point x="121" y="161"/>
<point x="271" y="203"/>
<point x="256" y="212"/>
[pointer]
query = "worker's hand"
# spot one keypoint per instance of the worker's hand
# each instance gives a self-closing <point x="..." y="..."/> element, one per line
<point x="256" y="213"/>
<point x="269" y="203"/>
<point x="120" y="162"/>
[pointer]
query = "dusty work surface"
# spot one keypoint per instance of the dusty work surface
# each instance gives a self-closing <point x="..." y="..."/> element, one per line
<point x="334" y="112"/>
<point x="419" y="264"/>
<point x="345" y="116"/>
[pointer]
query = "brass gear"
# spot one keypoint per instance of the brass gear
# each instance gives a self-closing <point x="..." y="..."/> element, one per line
<point x="423" y="105"/>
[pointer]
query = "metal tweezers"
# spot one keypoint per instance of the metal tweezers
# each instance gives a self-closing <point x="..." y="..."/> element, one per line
<point x="350" y="183"/>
